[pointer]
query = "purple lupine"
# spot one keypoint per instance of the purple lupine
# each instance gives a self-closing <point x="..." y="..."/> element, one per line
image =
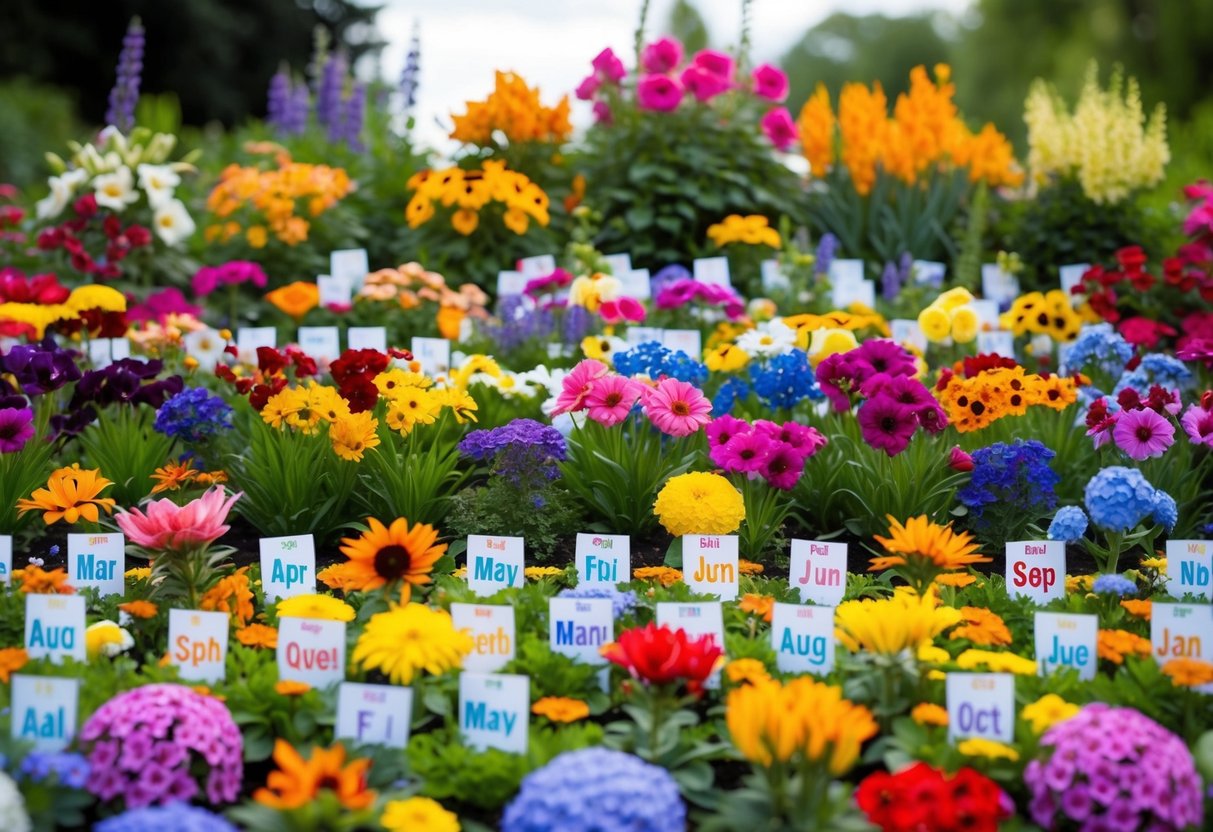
<point x="328" y="96"/>
<point x="125" y="94"/>
<point x="576" y="324"/>
<point x="412" y="67"/>
<point x="299" y="106"/>
<point x="905" y="265"/>
<point x="278" y="102"/>
<point x="890" y="281"/>
<point x="352" y="117"/>
<point x="826" y="249"/>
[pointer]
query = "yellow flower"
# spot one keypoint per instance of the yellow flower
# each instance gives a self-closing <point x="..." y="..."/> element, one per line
<point x="70" y="495"/>
<point x="973" y="659"/>
<point x="921" y="540"/>
<point x="990" y="749"/>
<point x="890" y="625"/>
<point x="665" y="575"/>
<point x="825" y="342"/>
<point x="927" y="713"/>
<point x="727" y="358"/>
<point x="390" y="381"/>
<point x="465" y="221"/>
<point x="105" y="638"/>
<point x="964" y="324"/>
<point x="1047" y="711"/>
<point x="406" y="640"/>
<point x="138" y="573"/>
<point x="538" y="573"/>
<point x="1157" y="564"/>
<point x="699" y="503"/>
<point x="352" y="435"/>
<point x="96" y="296"/>
<point x="935" y="323"/>
<point x="770" y="722"/>
<point x="561" y="709"/>
<point x="411" y="406"/>
<point x="324" y="607"/>
<point x="418" y="814"/>
<point x="746" y="671"/>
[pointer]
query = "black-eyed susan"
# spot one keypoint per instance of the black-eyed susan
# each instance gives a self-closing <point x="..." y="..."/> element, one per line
<point x="384" y="555"/>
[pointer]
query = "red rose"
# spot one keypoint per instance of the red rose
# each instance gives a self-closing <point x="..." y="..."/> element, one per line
<point x="661" y="656"/>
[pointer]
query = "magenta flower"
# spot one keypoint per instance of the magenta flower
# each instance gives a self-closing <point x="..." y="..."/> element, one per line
<point x="602" y="113"/>
<point x="783" y="467"/>
<point x="588" y="86"/>
<point x="723" y="428"/>
<point x="779" y="128"/>
<point x="611" y="398"/>
<point x="1143" y="434"/>
<point x="661" y="56"/>
<point x="675" y="407"/>
<point x="168" y="527"/>
<point x="717" y="63"/>
<point x="802" y="438"/>
<point x="159" y="305"/>
<point x="771" y="83"/>
<point x="16" y="428"/>
<point x="608" y="67"/>
<point x="880" y="355"/>
<point x="622" y="309"/>
<point x="1198" y="424"/>
<point x="659" y="93"/>
<point x="886" y="424"/>
<point x="576" y="386"/>
<point x="209" y="278"/>
<point x="835" y="375"/>
<point x="702" y="84"/>
<point x="960" y="460"/>
<point x="745" y="453"/>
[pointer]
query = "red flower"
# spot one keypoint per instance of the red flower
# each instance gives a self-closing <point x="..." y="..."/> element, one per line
<point x="958" y="460"/>
<point x="1128" y="399"/>
<point x="138" y="236"/>
<point x="1131" y="259"/>
<point x="1097" y="412"/>
<point x="662" y="656"/>
<point x="355" y="363"/>
<point x="86" y="206"/>
<point x="1144" y="332"/>
<point x="270" y="361"/>
<point x="1104" y="305"/>
<point x="978" y="364"/>
<point x="922" y="799"/>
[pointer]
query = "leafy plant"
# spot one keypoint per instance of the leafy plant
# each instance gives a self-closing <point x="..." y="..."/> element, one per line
<point x="412" y="476"/>
<point x="127" y="449"/>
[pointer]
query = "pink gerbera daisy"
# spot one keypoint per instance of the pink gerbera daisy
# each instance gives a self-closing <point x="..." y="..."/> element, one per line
<point x="1143" y="433"/>
<point x="676" y="407"/>
<point x="611" y="398"/>
<point x="576" y="386"/>
<point x="886" y="424"/>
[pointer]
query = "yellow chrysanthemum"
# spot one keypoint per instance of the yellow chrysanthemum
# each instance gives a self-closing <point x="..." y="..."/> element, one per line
<point x="889" y="625"/>
<point x="408" y="639"/>
<point x="699" y="503"/>
<point x="324" y="607"/>
<point x="418" y="814"/>
<point x="928" y="713"/>
<point x="1047" y="711"/>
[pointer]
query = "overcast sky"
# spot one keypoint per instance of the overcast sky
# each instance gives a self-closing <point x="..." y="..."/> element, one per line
<point x="551" y="42"/>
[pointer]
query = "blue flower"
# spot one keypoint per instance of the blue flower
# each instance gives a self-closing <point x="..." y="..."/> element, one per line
<point x="1015" y="477"/>
<point x="70" y="769"/>
<point x="179" y="817"/>
<point x="1166" y="512"/>
<point x="193" y="416"/>
<point x="1069" y="524"/>
<point x="1156" y="368"/>
<point x="521" y="450"/>
<point x="653" y="360"/>
<point x="1099" y="343"/>
<point x="622" y="601"/>
<point x="1114" y="585"/>
<point x="1119" y="498"/>
<point x="727" y="396"/>
<point x="597" y="790"/>
<point x="786" y="380"/>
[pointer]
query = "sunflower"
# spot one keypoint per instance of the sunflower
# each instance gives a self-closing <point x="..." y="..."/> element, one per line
<point x="383" y="555"/>
<point x="297" y="782"/>
<point x="921" y="550"/>
<point x="70" y="495"/>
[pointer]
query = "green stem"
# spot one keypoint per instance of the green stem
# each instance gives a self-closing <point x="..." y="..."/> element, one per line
<point x="655" y="725"/>
<point x="233" y="306"/>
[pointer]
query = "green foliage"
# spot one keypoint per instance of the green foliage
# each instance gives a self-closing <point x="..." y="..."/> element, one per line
<point x="32" y="118"/>
<point x="264" y="715"/>
<point x="542" y="518"/>
<point x="127" y="449"/>
<point x="554" y="674"/>
<point x="412" y="476"/>
<point x="23" y="471"/>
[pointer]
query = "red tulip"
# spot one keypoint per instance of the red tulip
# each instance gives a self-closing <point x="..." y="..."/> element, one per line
<point x="662" y="656"/>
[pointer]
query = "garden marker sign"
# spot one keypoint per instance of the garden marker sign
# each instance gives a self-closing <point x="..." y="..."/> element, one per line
<point x="492" y="630"/>
<point x="374" y="714"/>
<point x="97" y="561"/>
<point x="54" y="627"/>
<point x="288" y="566"/>
<point x="711" y="565"/>
<point x="803" y="638"/>
<point x="311" y="650"/>
<point x="1189" y="568"/>
<point x="603" y="560"/>
<point x="819" y="571"/>
<point x="494" y="709"/>
<point x="495" y="562"/>
<point x="1064" y="640"/>
<point x="44" y="710"/>
<point x="1036" y="569"/>
<point x="198" y="644"/>
<point x="981" y="705"/>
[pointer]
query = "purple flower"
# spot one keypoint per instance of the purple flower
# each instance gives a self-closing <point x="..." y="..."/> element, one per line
<point x="40" y="368"/>
<point x="412" y="68"/>
<point x="125" y="94"/>
<point x="827" y="248"/>
<point x="745" y="453"/>
<point x="886" y="424"/>
<point x="1198" y="424"/>
<point x="890" y="281"/>
<point x="16" y="429"/>
<point x="328" y="96"/>
<point x="1143" y="434"/>
<point x="278" y="100"/>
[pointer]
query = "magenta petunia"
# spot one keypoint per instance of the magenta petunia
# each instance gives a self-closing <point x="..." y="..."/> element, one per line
<point x="723" y="428"/>
<point x="703" y="84"/>
<point x="1143" y="434"/>
<point x="745" y="453"/>
<point x="608" y="66"/>
<point x="886" y="424"/>
<point x="661" y="56"/>
<point x="771" y="83"/>
<point x="779" y="128"/>
<point x="783" y="466"/>
<point x="659" y="92"/>
<point x="715" y="62"/>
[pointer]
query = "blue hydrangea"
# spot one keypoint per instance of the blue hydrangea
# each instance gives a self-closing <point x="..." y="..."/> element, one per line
<point x="597" y="790"/>
<point x="1069" y="524"/>
<point x="1015" y="477"/>
<point x="69" y="769"/>
<point x="178" y="817"/>
<point x="727" y="396"/>
<point x="1114" y="585"/>
<point x="1156" y="368"/>
<point x="1101" y="344"/>
<point x="622" y="601"/>
<point x="193" y="416"/>
<point x="653" y="360"/>
<point x="1166" y="512"/>
<point x="786" y="380"/>
<point x="1119" y="498"/>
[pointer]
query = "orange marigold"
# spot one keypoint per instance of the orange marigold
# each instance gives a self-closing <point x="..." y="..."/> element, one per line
<point x="231" y="595"/>
<point x="982" y="627"/>
<point x="12" y="659"/>
<point x="139" y="609"/>
<point x="34" y="579"/>
<point x="258" y="635"/>
<point x="1114" y="645"/>
<point x="561" y="709"/>
<point x="289" y="687"/>
<point x="1141" y="609"/>
<point x="928" y="713"/>
<point x="762" y="606"/>
<point x="666" y="575"/>
<point x="1190" y="673"/>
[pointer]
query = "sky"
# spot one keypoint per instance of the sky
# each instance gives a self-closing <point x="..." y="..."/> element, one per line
<point x="551" y="42"/>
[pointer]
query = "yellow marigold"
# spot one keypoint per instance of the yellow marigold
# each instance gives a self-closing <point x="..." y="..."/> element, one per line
<point x="983" y="628"/>
<point x="749" y="567"/>
<point x="1141" y="609"/>
<point x="418" y="814"/>
<point x="1114" y="645"/>
<point x="749" y="230"/>
<point x="1157" y="564"/>
<point x="139" y="609"/>
<point x="889" y="625"/>
<point x="699" y="503"/>
<point x="665" y="575"/>
<point x="1190" y="673"/>
<point x="996" y="662"/>
<point x="928" y="713"/>
<point x="1047" y="711"/>
<point x="324" y="607"/>
<point x="990" y="749"/>
<point x="1079" y="583"/>
<point x="138" y="573"/>
<point x="746" y="671"/>
<point x="762" y="606"/>
<point x="288" y="687"/>
<point x="561" y="709"/>
<point x="538" y="573"/>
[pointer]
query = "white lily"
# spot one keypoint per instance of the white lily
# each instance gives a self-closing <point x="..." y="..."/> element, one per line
<point x="173" y="222"/>
<point x="116" y="190"/>
<point x="63" y="188"/>
<point x="159" y="182"/>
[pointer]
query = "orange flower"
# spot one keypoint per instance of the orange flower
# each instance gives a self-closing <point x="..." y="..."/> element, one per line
<point x="561" y="709"/>
<point x="297" y="781"/>
<point x="666" y="575"/>
<point x="982" y="627"/>
<point x="231" y="595"/>
<point x="920" y="539"/>
<point x="816" y="128"/>
<point x="927" y="713"/>
<point x="12" y="659"/>
<point x="1141" y="609"/>
<point x="748" y="567"/>
<point x="258" y="635"/>
<point x="759" y="605"/>
<point x="36" y="580"/>
<point x="139" y="609"/>
<point x="295" y="299"/>
<point x="1190" y="673"/>
<point x="449" y="320"/>
<point x="287" y="687"/>
<point x="173" y="476"/>
<point x="1114" y="645"/>
<point x="383" y="555"/>
<point x="956" y="579"/>
<point x="70" y="495"/>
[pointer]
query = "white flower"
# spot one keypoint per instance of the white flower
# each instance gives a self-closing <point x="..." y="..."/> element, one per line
<point x="204" y="346"/>
<point x="116" y="190"/>
<point x="509" y="385"/>
<point x="552" y="381"/>
<point x="172" y="222"/>
<point x="13" y="817"/>
<point x="63" y="188"/>
<point x="769" y="339"/>
<point x="107" y="639"/>
<point x="159" y="182"/>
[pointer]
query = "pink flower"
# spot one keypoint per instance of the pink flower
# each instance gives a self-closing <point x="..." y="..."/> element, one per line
<point x="770" y="83"/>
<point x="622" y="309"/>
<point x="803" y="439"/>
<point x="744" y="453"/>
<point x="958" y="460"/>
<point x="702" y="84"/>
<point x="608" y="67"/>
<point x="611" y="398"/>
<point x="676" y="407"/>
<point x="588" y="86"/>
<point x="721" y="429"/>
<point x="576" y="386"/>
<point x="602" y="113"/>
<point x="16" y="428"/>
<point x="717" y="63"/>
<point x="167" y="526"/>
<point x="1101" y="432"/>
<point x="779" y="128"/>
<point x="1198" y="424"/>
<point x="886" y="424"/>
<point x="662" y="55"/>
<point x="783" y="467"/>
<point x="658" y="92"/>
<point x="1143" y="434"/>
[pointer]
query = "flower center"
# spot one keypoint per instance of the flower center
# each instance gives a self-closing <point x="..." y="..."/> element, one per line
<point x="613" y="399"/>
<point x="680" y="409"/>
<point x="392" y="561"/>
<point x="888" y="424"/>
<point x="1145" y="433"/>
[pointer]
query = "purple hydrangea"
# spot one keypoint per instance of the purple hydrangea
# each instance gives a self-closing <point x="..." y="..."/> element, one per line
<point x="524" y="451"/>
<point x="69" y="769"/>
<point x="1113" y="769"/>
<point x="154" y="745"/>
<point x="597" y="789"/>
<point x="125" y="94"/>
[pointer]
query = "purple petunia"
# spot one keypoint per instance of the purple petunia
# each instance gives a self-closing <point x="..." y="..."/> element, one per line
<point x="16" y="428"/>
